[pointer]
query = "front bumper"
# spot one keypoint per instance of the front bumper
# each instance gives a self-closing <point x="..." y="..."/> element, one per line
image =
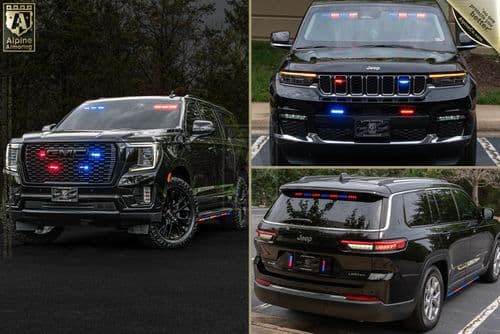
<point x="313" y="150"/>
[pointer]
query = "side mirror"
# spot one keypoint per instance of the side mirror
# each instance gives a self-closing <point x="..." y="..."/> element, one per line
<point x="487" y="213"/>
<point x="465" y="43"/>
<point x="202" y="128"/>
<point x="281" y="39"/>
<point x="48" y="128"/>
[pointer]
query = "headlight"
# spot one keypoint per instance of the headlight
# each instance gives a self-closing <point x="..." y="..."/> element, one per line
<point x="11" y="155"/>
<point x="142" y="156"/>
<point x="297" y="78"/>
<point x="448" y="79"/>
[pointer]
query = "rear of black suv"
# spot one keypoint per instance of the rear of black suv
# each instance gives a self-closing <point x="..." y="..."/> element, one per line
<point x="373" y="82"/>
<point x="365" y="248"/>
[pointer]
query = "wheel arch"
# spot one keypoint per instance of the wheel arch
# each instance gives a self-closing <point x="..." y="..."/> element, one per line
<point x="442" y="262"/>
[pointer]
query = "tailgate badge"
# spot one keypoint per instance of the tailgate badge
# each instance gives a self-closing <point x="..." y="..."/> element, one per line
<point x="305" y="239"/>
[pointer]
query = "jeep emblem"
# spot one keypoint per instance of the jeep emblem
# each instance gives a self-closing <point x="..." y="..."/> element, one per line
<point x="373" y="68"/>
<point x="303" y="238"/>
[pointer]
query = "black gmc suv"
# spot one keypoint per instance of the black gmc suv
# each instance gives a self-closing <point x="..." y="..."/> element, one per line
<point x="373" y="249"/>
<point x="154" y="166"/>
<point x="373" y="81"/>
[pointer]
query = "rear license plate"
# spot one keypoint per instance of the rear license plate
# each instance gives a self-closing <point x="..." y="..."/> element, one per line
<point x="64" y="194"/>
<point x="307" y="263"/>
<point x="372" y="128"/>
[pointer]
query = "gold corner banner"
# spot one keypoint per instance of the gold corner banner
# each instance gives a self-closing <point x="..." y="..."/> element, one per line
<point x="480" y="19"/>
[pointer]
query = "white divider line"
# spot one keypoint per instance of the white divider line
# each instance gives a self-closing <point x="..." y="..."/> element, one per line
<point x="262" y="307"/>
<point x="490" y="150"/>
<point x="477" y="321"/>
<point x="258" y="145"/>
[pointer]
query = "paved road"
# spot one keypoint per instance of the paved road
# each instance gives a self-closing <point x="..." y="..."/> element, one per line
<point x="103" y="281"/>
<point x="487" y="153"/>
<point x="458" y="312"/>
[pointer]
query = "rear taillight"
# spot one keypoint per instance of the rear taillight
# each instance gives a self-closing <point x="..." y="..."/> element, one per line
<point x="374" y="246"/>
<point x="263" y="282"/>
<point x="266" y="235"/>
<point x="362" y="298"/>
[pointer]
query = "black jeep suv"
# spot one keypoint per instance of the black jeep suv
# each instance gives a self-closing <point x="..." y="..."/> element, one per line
<point x="373" y="81"/>
<point x="373" y="249"/>
<point x="154" y="166"/>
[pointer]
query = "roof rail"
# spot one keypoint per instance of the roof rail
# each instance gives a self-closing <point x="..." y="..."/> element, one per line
<point x="344" y="177"/>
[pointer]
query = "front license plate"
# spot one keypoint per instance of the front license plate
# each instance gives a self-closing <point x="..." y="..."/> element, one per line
<point x="64" y="194"/>
<point x="372" y="128"/>
<point x="307" y="263"/>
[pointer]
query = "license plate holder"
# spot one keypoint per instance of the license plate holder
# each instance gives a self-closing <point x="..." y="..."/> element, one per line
<point x="307" y="263"/>
<point x="65" y="194"/>
<point x="372" y="128"/>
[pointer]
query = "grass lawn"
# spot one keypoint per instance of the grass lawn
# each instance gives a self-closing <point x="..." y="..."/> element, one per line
<point x="492" y="97"/>
<point x="265" y="60"/>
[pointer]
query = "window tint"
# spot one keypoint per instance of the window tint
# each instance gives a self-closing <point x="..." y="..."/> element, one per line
<point x="201" y="111"/>
<point x="363" y="213"/>
<point x="229" y="124"/>
<point x="417" y="210"/>
<point x="397" y="211"/>
<point x="446" y="205"/>
<point x="466" y="208"/>
<point x="433" y="207"/>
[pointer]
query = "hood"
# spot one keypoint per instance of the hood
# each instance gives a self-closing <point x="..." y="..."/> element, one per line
<point x="100" y="135"/>
<point x="357" y="60"/>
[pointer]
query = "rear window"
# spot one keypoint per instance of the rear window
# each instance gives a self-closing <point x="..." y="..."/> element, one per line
<point x="135" y="114"/>
<point x="446" y="204"/>
<point x="417" y="209"/>
<point x="332" y="210"/>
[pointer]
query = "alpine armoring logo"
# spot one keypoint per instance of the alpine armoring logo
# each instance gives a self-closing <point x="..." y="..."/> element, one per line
<point x="19" y="27"/>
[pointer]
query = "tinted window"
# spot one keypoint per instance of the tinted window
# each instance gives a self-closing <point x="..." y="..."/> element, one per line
<point x="346" y="25"/>
<point x="229" y="124"/>
<point x="446" y="205"/>
<point x="433" y="207"/>
<point x="417" y="210"/>
<point x="134" y="114"/>
<point x="466" y="208"/>
<point x="201" y="111"/>
<point x="363" y="213"/>
<point x="397" y="211"/>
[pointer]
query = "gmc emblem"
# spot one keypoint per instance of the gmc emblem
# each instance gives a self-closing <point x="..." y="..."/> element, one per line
<point x="66" y="153"/>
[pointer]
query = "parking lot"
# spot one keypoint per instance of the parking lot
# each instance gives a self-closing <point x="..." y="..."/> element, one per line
<point x="475" y="310"/>
<point x="487" y="151"/>
<point x="102" y="281"/>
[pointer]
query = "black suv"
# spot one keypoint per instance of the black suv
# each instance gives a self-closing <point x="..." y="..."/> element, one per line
<point x="373" y="249"/>
<point x="368" y="81"/>
<point x="154" y="166"/>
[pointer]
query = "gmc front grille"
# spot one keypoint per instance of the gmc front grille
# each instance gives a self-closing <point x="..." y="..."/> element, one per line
<point x="77" y="163"/>
<point x="372" y="85"/>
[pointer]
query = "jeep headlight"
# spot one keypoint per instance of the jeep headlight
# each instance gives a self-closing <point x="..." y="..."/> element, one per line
<point x="11" y="155"/>
<point x="142" y="156"/>
<point x="448" y="79"/>
<point x="297" y="78"/>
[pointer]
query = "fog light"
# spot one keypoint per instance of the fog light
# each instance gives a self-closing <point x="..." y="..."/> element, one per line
<point x="407" y="112"/>
<point x="146" y="193"/>
<point x="450" y="118"/>
<point x="294" y="117"/>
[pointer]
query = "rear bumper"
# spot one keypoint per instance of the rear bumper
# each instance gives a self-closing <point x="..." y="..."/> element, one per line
<point x="430" y="150"/>
<point x="332" y="305"/>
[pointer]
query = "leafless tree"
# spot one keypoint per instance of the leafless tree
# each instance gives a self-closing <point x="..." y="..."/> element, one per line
<point x="477" y="178"/>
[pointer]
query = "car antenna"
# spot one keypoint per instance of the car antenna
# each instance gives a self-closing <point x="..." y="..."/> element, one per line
<point x="344" y="177"/>
<point x="172" y="94"/>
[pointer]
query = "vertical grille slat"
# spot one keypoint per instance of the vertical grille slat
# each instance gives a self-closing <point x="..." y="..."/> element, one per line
<point x="100" y="170"/>
<point x="373" y="85"/>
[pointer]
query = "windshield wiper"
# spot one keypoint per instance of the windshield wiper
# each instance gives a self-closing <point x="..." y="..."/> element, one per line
<point x="394" y="46"/>
<point x="315" y="47"/>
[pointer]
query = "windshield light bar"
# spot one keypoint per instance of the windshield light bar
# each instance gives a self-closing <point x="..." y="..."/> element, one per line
<point x="165" y="106"/>
<point x="447" y="75"/>
<point x="325" y="195"/>
<point x="299" y="74"/>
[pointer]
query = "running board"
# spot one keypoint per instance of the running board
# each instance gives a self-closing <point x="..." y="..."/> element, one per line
<point x="215" y="214"/>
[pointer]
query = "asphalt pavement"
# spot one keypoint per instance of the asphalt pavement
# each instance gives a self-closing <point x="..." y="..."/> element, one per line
<point x="476" y="302"/>
<point x="487" y="149"/>
<point x="103" y="281"/>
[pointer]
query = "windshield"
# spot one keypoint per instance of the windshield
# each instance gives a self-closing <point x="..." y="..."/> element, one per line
<point x="375" y="25"/>
<point x="355" y="211"/>
<point x="140" y="114"/>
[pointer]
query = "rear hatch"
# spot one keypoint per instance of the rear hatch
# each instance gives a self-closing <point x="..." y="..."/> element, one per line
<point x="321" y="236"/>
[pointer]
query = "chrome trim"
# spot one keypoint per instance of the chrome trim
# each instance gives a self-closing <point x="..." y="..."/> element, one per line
<point x="425" y="85"/>
<point x="329" y="77"/>
<point x="429" y="139"/>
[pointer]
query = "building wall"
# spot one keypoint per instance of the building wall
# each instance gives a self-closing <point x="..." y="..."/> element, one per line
<point x="285" y="15"/>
